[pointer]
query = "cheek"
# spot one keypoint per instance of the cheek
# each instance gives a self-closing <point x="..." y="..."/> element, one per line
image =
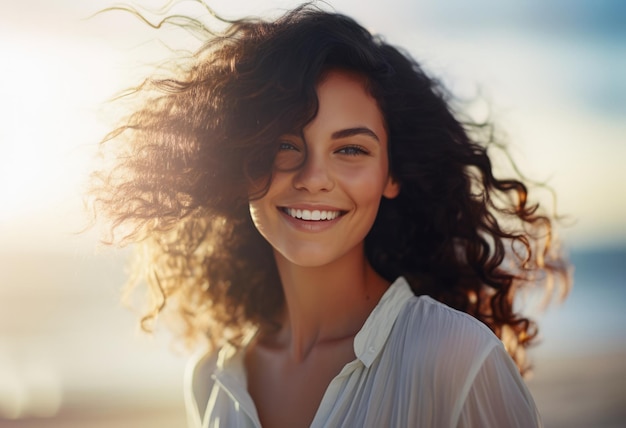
<point x="366" y="184"/>
<point x="259" y="187"/>
<point x="259" y="194"/>
<point x="259" y="215"/>
<point x="262" y="210"/>
<point x="255" y="213"/>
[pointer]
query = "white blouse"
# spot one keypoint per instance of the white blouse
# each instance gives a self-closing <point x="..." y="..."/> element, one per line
<point x="419" y="363"/>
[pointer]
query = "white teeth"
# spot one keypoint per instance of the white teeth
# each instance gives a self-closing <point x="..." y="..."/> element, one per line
<point x="315" y="215"/>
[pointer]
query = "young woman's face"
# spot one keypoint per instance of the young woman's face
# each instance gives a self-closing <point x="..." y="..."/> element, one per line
<point x="322" y="210"/>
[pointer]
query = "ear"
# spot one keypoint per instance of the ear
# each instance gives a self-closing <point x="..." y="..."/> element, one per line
<point x="392" y="188"/>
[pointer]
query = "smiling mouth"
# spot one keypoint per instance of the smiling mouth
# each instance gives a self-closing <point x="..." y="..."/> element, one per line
<point x="312" y="215"/>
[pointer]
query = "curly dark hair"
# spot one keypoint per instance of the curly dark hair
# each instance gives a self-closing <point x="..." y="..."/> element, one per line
<point x="184" y="159"/>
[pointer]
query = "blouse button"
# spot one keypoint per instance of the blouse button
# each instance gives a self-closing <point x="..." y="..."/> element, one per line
<point x="371" y="350"/>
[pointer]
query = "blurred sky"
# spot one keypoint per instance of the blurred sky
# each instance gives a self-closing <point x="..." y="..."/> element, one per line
<point x="553" y="72"/>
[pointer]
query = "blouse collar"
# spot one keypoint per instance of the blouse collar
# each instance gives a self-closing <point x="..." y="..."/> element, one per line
<point x="370" y="340"/>
<point x="368" y="343"/>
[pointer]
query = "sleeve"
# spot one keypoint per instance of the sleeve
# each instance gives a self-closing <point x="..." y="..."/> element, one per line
<point x="498" y="396"/>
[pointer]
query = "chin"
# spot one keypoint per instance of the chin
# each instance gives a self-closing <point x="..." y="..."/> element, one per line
<point x="309" y="261"/>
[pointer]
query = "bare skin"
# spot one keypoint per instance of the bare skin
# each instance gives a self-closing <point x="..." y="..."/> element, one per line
<point x="289" y="370"/>
<point x="330" y="288"/>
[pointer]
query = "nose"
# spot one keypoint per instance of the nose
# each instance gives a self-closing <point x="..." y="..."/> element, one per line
<point x="314" y="175"/>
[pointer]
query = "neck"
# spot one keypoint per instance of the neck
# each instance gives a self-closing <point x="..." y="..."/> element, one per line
<point x="327" y="304"/>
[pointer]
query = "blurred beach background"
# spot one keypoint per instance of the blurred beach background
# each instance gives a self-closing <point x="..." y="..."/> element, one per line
<point x="553" y="74"/>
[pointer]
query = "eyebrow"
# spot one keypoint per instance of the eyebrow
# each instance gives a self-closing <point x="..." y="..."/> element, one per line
<point x="350" y="132"/>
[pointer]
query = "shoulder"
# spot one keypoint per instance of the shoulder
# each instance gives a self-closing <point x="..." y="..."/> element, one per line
<point x="435" y="355"/>
<point x="429" y="321"/>
<point x="435" y="342"/>
<point x="424" y="329"/>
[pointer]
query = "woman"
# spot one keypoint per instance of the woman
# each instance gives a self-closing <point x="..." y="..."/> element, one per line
<point x="305" y="199"/>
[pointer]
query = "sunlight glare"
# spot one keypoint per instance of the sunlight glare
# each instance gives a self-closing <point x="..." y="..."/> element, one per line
<point x="47" y="126"/>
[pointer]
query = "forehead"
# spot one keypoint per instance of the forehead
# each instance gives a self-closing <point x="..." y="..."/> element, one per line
<point x="344" y="101"/>
<point x="338" y="77"/>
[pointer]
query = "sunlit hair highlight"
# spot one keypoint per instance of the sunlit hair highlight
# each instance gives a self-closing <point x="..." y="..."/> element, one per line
<point x="184" y="161"/>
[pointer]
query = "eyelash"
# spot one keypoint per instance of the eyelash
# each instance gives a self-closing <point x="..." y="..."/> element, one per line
<point x="283" y="145"/>
<point x="353" y="150"/>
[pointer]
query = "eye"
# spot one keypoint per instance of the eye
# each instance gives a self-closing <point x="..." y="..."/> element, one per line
<point x="290" y="144"/>
<point x="286" y="145"/>
<point x="353" y="150"/>
<point x="289" y="155"/>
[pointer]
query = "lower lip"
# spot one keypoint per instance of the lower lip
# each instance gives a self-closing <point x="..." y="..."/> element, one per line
<point x="310" y="225"/>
